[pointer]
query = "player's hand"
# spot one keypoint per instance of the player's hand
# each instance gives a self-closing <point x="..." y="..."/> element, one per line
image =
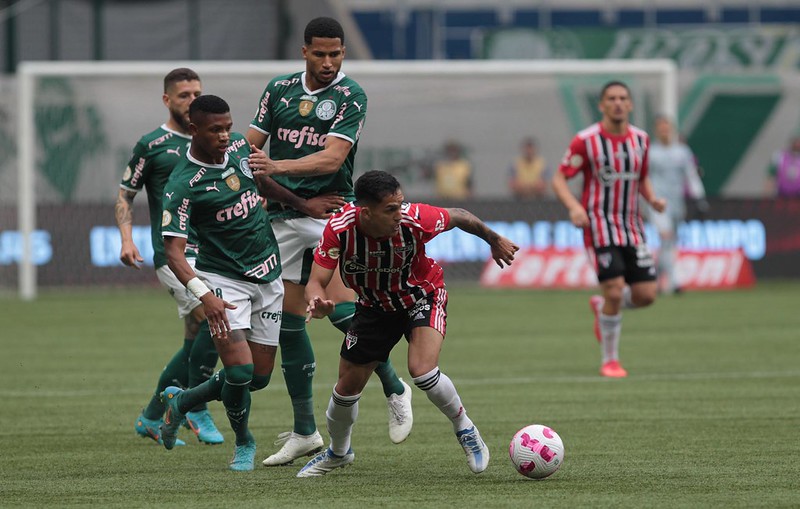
<point x="319" y="308"/>
<point x="322" y="206"/>
<point x="503" y="251"/>
<point x="214" y="308"/>
<point x="579" y="217"/>
<point x="659" y="204"/>
<point x="129" y="255"/>
<point x="258" y="159"/>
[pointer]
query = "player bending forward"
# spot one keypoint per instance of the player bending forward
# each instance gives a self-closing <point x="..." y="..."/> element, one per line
<point x="379" y="247"/>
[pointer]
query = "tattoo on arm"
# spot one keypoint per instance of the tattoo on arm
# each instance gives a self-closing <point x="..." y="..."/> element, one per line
<point x="123" y="209"/>
<point x="467" y="221"/>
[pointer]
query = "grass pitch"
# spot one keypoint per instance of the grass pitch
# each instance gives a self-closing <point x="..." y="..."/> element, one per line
<point x="708" y="417"/>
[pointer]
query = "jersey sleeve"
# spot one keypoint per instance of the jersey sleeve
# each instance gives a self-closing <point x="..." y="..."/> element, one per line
<point x="262" y="121"/>
<point x="328" y="249"/>
<point x="138" y="166"/>
<point x="177" y="207"/>
<point x="350" y="118"/>
<point x="575" y="158"/>
<point x="645" y="160"/>
<point x="431" y="220"/>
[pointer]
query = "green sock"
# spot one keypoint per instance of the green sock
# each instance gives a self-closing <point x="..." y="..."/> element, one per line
<point x="341" y="318"/>
<point x="209" y="390"/>
<point x="297" y="363"/>
<point x="174" y="373"/>
<point x="236" y="398"/>
<point x="202" y="360"/>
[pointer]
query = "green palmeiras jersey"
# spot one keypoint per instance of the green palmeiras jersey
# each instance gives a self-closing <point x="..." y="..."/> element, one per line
<point x="154" y="157"/>
<point x="299" y="121"/>
<point x="221" y="203"/>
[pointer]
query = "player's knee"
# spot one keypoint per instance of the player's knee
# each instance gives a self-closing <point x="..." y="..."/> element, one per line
<point x="259" y="382"/>
<point x="643" y="299"/>
<point x="239" y="375"/>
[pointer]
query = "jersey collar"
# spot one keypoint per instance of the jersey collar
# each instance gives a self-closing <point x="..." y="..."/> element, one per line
<point x="221" y="165"/>
<point x="339" y="77"/>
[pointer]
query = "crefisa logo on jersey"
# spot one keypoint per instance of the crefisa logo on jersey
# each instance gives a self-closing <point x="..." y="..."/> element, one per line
<point x="326" y="109"/>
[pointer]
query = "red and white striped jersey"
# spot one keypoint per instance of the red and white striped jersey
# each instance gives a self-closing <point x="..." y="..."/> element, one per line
<point x="613" y="166"/>
<point x="391" y="273"/>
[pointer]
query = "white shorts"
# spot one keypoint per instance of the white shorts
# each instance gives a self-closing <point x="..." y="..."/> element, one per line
<point x="185" y="299"/>
<point x="258" y="306"/>
<point x="297" y="239"/>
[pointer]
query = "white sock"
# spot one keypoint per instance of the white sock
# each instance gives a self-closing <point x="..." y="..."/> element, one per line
<point x="442" y="393"/>
<point x="342" y="413"/>
<point x="610" y="329"/>
<point x="627" y="299"/>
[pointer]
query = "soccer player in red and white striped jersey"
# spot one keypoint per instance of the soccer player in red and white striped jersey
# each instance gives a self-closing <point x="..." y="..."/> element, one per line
<point x="378" y="247"/>
<point x="612" y="157"/>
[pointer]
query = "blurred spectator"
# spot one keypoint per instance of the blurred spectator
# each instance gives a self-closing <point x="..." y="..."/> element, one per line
<point x="673" y="174"/>
<point x="528" y="174"/>
<point x="453" y="173"/>
<point x="784" y="172"/>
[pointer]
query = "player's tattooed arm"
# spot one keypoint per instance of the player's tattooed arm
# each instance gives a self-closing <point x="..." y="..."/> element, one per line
<point x="123" y="212"/>
<point x="502" y="248"/>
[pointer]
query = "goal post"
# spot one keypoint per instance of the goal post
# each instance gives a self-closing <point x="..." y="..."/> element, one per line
<point x="411" y="104"/>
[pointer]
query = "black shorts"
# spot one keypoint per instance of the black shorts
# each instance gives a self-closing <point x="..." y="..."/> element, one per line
<point x="634" y="263"/>
<point x="374" y="332"/>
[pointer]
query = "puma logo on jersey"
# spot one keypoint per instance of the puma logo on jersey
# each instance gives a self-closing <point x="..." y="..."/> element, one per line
<point x="169" y="195"/>
<point x="212" y="188"/>
<point x="357" y="105"/>
<point x="176" y="151"/>
<point x="286" y="101"/>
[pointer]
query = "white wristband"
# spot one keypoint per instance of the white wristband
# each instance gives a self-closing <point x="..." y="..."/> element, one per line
<point x="197" y="287"/>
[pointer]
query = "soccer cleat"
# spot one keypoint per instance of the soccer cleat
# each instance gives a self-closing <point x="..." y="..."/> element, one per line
<point x="596" y="303"/>
<point x="401" y="417"/>
<point x="475" y="448"/>
<point x="613" y="369"/>
<point x="149" y="428"/>
<point x="173" y="418"/>
<point x="294" y="446"/>
<point x="244" y="457"/>
<point x="203" y="426"/>
<point x="324" y="462"/>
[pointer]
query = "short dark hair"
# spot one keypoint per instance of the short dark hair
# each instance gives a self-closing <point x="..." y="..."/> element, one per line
<point x="614" y="83"/>
<point x="179" y="74"/>
<point x="373" y="186"/>
<point x="207" y="104"/>
<point x="326" y="28"/>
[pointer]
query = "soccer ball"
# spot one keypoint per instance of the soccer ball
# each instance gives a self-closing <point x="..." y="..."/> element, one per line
<point x="536" y="451"/>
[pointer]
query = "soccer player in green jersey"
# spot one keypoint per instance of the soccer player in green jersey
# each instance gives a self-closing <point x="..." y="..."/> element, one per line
<point x="237" y="274"/>
<point x="154" y="158"/>
<point x="313" y="120"/>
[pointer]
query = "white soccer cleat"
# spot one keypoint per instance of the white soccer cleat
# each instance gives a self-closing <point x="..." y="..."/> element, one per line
<point x="324" y="462"/>
<point x="401" y="418"/>
<point x="294" y="446"/>
<point x="475" y="448"/>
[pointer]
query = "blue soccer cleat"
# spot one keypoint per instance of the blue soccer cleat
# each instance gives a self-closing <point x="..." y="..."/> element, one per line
<point x="244" y="457"/>
<point x="172" y="417"/>
<point x="149" y="428"/>
<point x="324" y="462"/>
<point x="475" y="448"/>
<point x="202" y="425"/>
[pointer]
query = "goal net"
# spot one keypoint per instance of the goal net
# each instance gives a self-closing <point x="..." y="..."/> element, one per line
<point x="77" y="123"/>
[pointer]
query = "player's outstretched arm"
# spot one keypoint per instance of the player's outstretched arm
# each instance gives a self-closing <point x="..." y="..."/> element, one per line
<point x="123" y="211"/>
<point x="502" y="248"/>
<point x="325" y="162"/>
<point x="319" y="306"/>
<point x="213" y="306"/>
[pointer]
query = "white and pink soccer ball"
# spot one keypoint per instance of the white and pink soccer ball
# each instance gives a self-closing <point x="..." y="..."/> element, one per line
<point x="536" y="451"/>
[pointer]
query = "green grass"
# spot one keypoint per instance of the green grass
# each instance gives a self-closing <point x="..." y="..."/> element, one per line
<point x="709" y="415"/>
